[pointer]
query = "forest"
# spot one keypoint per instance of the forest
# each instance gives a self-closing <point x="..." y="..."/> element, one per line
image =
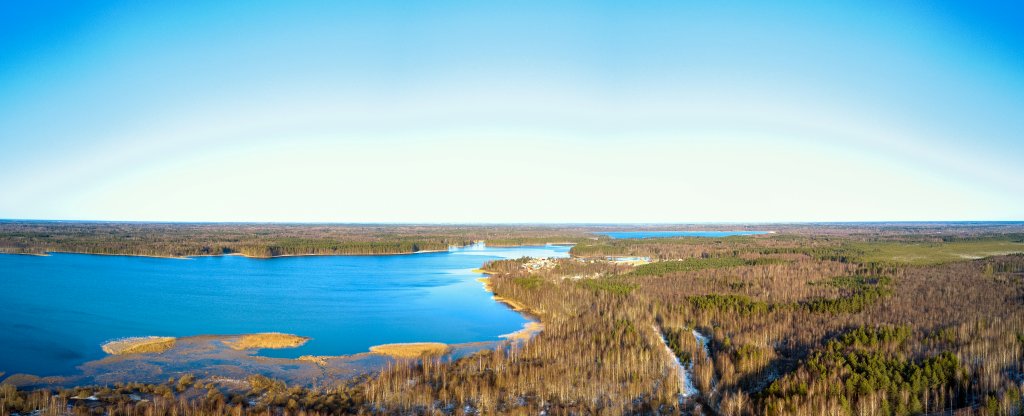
<point x="837" y="319"/>
<point x="261" y="240"/>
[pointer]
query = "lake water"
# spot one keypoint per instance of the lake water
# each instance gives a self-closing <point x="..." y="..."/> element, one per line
<point x="56" y="311"/>
<point x="666" y="234"/>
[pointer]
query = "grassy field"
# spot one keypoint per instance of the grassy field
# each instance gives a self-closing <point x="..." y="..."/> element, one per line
<point x="920" y="254"/>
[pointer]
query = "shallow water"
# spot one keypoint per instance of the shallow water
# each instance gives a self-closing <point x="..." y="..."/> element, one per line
<point x="56" y="311"/>
<point x="667" y="234"/>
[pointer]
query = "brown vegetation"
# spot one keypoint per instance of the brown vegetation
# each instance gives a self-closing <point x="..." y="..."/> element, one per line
<point x="139" y="345"/>
<point x="265" y="340"/>
<point x="411" y="350"/>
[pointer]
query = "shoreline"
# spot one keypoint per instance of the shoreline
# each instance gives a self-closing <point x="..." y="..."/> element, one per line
<point x="50" y="253"/>
<point x="529" y="330"/>
<point x="189" y="257"/>
<point x="533" y="324"/>
<point x="324" y="255"/>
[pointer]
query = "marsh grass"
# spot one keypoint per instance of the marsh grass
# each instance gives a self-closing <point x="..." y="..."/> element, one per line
<point x="411" y="350"/>
<point x="139" y="345"/>
<point x="266" y="340"/>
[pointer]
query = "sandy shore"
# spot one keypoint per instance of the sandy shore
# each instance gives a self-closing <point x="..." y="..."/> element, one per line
<point x="529" y="330"/>
<point x="515" y="305"/>
<point x="27" y="254"/>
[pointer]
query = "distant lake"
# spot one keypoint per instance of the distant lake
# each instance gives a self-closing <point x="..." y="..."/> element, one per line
<point x="666" y="234"/>
<point x="56" y="311"/>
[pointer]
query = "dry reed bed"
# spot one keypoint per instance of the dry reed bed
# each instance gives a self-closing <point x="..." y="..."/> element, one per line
<point x="265" y="340"/>
<point x="139" y="345"/>
<point x="411" y="349"/>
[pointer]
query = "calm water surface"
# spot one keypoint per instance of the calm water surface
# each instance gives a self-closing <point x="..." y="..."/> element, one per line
<point x="56" y="312"/>
<point x="665" y="234"/>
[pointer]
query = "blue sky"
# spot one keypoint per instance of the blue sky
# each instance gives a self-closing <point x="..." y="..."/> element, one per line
<point x="512" y="112"/>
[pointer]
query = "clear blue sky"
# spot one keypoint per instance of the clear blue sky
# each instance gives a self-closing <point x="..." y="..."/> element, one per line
<point x="512" y="112"/>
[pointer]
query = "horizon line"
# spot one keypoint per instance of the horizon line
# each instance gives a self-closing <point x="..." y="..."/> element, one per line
<point x="547" y="223"/>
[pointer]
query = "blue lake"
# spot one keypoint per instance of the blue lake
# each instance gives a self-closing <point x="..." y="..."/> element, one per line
<point x="56" y="311"/>
<point x="666" y="234"/>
